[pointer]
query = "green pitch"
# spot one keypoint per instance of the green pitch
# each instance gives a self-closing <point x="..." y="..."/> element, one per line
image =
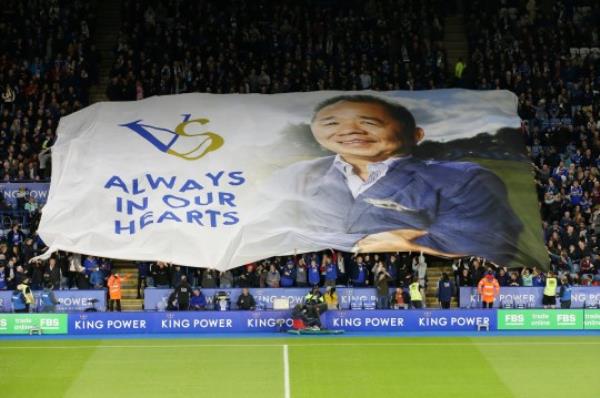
<point x="527" y="367"/>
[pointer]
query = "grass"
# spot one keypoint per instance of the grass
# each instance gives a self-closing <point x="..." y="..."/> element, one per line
<point x="527" y="367"/>
<point x="518" y="178"/>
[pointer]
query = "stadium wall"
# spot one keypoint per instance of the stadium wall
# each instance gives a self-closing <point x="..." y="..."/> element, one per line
<point x="226" y="322"/>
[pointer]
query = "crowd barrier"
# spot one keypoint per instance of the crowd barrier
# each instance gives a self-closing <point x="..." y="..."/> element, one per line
<point x="156" y="299"/>
<point x="529" y="297"/>
<point x="39" y="190"/>
<point x="69" y="300"/>
<point x="98" y="323"/>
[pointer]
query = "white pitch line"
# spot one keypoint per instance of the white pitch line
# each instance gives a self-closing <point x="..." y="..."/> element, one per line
<point x="466" y="344"/>
<point x="286" y="372"/>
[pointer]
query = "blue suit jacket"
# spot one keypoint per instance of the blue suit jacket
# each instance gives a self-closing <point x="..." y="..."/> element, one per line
<point x="463" y="207"/>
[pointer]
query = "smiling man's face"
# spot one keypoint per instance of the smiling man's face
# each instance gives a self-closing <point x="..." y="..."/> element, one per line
<point x="358" y="130"/>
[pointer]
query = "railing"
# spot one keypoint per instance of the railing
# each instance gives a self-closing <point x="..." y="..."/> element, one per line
<point x="8" y="218"/>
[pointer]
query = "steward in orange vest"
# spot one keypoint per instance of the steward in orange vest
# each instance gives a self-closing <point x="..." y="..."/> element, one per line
<point x="114" y="290"/>
<point x="114" y="286"/>
<point x="488" y="288"/>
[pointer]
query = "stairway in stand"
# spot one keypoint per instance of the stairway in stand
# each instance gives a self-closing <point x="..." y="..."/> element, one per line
<point x="434" y="274"/>
<point x="455" y="40"/>
<point x="107" y="33"/>
<point x="129" y="301"/>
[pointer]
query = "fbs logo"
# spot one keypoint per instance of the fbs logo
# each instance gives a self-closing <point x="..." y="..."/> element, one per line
<point x="180" y="142"/>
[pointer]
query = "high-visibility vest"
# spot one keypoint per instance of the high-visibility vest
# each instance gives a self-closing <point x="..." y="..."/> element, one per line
<point x="550" y="289"/>
<point x="488" y="290"/>
<point x="114" y="287"/>
<point x="415" y="292"/>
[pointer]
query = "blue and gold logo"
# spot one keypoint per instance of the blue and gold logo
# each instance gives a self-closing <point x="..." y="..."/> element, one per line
<point x="180" y="142"/>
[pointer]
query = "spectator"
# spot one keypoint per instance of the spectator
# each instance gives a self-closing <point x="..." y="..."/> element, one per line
<point x="261" y="274"/>
<point x="314" y="276"/>
<point x="52" y="272"/>
<point x="514" y="280"/>
<point x="273" y="277"/>
<point x="288" y="274"/>
<point x="526" y="278"/>
<point x="331" y="271"/>
<point x="36" y="270"/>
<point x="537" y="278"/>
<point x="62" y="259"/>
<point x="90" y="263"/>
<point x="209" y="279"/>
<point x="399" y="299"/>
<point x="226" y="279"/>
<point x="245" y="301"/>
<point x="143" y="275"/>
<point x="382" y="286"/>
<point x="3" y="276"/>
<point x="301" y="273"/>
<point x="248" y="277"/>
<point x="419" y="267"/>
<point x="392" y="267"/>
<point x="15" y="236"/>
<point x="361" y="275"/>
<point x="503" y="277"/>
<point x="160" y="274"/>
<point x="97" y="278"/>
<point x="175" y="275"/>
<point x="198" y="301"/>
<point x="464" y="278"/>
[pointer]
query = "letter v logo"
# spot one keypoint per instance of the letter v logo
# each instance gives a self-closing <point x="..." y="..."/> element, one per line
<point x="179" y="142"/>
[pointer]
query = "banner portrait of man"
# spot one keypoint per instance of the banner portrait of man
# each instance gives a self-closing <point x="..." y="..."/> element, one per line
<point x="372" y="195"/>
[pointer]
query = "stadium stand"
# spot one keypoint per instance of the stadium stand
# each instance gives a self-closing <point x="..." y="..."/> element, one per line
<point x="549" y="57"/>
<point x="47" y="66"/>
<point x="272" y="47"/>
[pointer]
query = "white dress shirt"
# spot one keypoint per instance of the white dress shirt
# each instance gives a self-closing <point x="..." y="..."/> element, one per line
<point x="356" y="184"/>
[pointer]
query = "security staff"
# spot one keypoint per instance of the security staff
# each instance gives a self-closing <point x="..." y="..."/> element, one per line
<point x="25" y="290"/>
<point x="549" y="299"/>
<point x="315" y="300"/>
<point x="48" y="299"/>
<point x="488" y="289"/>
<point x="414" y="290"/>
<point x="183" y="292"/>
<point x="565" y="293"/>
<point x="114" y="290"/>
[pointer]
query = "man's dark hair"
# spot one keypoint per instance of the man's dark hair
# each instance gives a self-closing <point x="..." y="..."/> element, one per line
<point x="398" y="112"/>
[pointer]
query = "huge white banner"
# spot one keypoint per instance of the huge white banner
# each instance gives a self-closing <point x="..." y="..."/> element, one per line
<point x="222" y="180"/>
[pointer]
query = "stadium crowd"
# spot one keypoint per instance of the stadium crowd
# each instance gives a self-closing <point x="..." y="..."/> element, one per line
<point x="47" y="64"/>
<point x="550" y="60"/>
<point x="273" y="47"/>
